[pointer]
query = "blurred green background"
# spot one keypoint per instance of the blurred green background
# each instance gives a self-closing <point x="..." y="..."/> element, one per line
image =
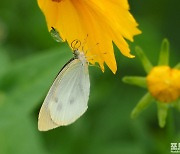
<point x="30" y="60"/>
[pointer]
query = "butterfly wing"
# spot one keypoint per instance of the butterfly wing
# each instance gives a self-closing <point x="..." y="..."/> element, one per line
<point x="67" y="98"/>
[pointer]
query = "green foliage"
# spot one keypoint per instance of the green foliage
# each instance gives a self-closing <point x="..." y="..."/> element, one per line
<point x="29" y="62"/>
<point x="164" y="53"/>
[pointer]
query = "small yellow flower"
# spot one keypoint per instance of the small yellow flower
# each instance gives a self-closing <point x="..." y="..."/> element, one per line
<point x="98" y="23"/>
<point x="162" y="82"/>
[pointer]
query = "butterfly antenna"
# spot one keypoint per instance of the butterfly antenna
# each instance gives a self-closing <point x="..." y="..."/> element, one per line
<point x="84" y="42"/>
<point x="75" y="45"/>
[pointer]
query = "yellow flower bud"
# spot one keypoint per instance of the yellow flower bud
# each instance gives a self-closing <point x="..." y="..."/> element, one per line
<point x="164" y="83"/>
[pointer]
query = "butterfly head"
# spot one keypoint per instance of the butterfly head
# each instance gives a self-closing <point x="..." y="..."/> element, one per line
<point x="81" y="56"/>
<point x="78" y="54"/>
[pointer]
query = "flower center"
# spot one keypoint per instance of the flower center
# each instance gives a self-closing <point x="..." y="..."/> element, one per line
<point x="164" y="83"/>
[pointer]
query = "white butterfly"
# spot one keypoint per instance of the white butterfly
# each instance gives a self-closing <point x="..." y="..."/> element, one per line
<point x="68" y="96"/>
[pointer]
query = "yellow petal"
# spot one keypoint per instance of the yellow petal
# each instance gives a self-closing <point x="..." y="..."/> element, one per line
<point x="96" y="23"/>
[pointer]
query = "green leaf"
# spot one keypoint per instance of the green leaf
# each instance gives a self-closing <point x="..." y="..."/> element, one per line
<point x="21" y="137"/>
<point x="115" y="148"/>
<point x="164" y="53"/>
<point x="162" y="113"/>
<point x="144" y="102"/>
<point x="4" y="62"/>
<point x="28" y="81"/>
<point x="2" y="98"/>
<point x="22" y="90"/>
<point x="144" y="60"/>
<point x="176" y="104"/>
<point x="135" y="80"/>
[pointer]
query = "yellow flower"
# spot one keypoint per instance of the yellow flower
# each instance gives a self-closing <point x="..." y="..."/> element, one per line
<point x="162" y="83"/>
<point x="96" y="23"/>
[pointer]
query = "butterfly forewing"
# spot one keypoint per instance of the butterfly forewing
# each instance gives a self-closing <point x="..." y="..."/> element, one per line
<point x="67" y="98"/>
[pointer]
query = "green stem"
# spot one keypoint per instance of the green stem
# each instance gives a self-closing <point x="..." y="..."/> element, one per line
<point x="145" y="101"/>
<point x="135" y="80"/>
<point x="164" y="53"/>
<point x="144" y="60"/>
<point x="162" y="113"/>
<point x="170" y="125"/>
